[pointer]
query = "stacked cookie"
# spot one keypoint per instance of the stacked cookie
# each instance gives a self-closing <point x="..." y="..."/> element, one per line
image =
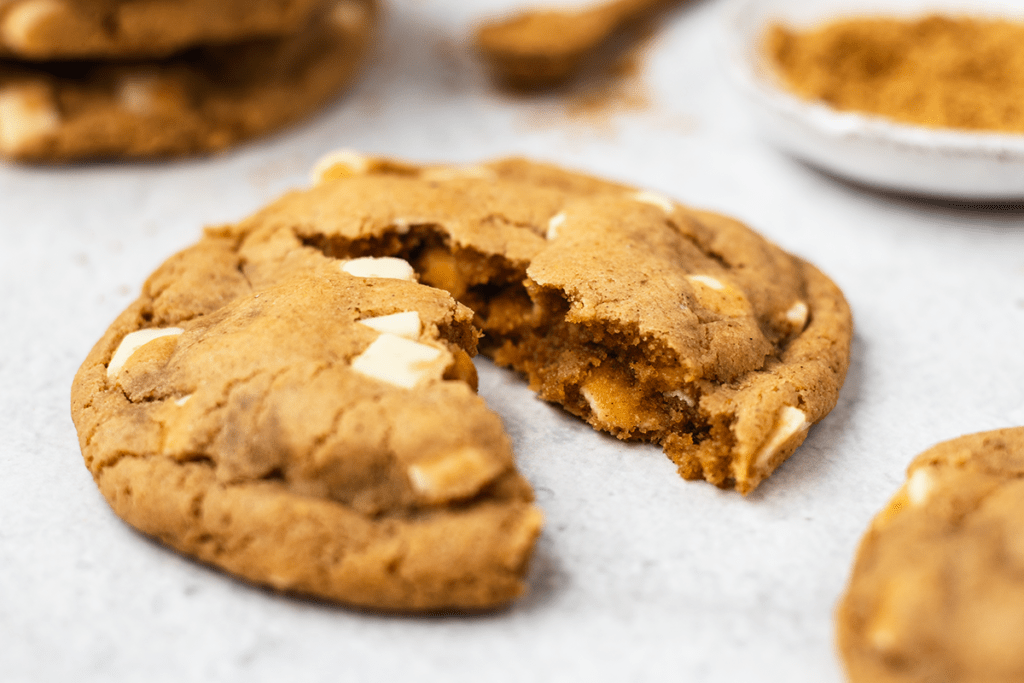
<point x="83" y="79"/>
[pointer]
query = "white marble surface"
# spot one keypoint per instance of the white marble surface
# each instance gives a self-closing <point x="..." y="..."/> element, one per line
<point x="639" y="575"/>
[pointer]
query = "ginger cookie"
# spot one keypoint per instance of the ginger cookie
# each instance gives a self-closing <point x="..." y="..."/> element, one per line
<point x="937" y="590"/>
<point x="291" y="399"/>
<point x="93" y="29"/>
<point x="201" y="101"/>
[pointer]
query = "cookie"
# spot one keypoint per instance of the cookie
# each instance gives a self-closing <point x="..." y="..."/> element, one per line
<point x="937" y="590"/>
<point x="92" y="29"/>
<point x="302" y="380"/>
<point x="201" y="101"/>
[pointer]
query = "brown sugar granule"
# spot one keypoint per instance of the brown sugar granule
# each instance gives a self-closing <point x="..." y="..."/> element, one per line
<point x="937" y="71"/>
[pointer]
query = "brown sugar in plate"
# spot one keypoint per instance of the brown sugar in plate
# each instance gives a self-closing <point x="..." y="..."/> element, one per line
<point x="201" y="101"/>
<point x="292" y="398"/>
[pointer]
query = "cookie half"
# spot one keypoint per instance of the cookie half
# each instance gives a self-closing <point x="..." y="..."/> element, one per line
<point x="937" y="590"/>
<point x="201" y="101"/>
<point x="316" y="431"/>
<point x="651" y="321"/>
<point x="136" y="29"/>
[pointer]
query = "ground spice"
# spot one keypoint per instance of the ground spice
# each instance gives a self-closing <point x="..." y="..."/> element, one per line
<point x="948" y="72"/>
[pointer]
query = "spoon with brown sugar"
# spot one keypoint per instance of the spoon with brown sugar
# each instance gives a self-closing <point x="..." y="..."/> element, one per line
<point x="544" y="48"/>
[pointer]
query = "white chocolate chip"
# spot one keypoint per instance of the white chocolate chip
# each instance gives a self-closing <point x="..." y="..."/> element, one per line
<point x="790" y="421"/>
<point x="682" y="396"/>
<point x="554" y="224"/>
<point x="349" y="16"/>
<point x="137" y="92"/>
<point x="797" y="315"/>
<point x="662" y="202"/>
<point x="453" y="475"/>
<point x="183" y="400"/>
<point x="133" y="342"/>
<point x="384" y="267"/>
<point x="339" y="164"/>
<point x="401" y="362"/>
<point x="27" y="113"/>
<point x="707" y="281"/>
<point x="25" y="17"/>
<point x="406" y="324"/>
<point x="920" y="486"/>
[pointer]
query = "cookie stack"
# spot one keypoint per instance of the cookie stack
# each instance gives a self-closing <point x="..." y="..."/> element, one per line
<point x="84" y="79"/>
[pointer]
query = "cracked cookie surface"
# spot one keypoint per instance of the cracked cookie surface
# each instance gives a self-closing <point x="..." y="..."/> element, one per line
<point x="200" y="101"/>
<point x="937" y="589"/>
<point x="83" y="29"/>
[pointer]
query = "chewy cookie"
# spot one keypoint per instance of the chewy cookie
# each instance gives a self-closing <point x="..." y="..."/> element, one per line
<point x="81" y="29"/>
<point x="937" y="591"/>
<point x="287" y="385"/>
<point x="201" y="101"/>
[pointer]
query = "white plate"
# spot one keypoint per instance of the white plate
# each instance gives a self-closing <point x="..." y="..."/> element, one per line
<point x="869" y="149"/>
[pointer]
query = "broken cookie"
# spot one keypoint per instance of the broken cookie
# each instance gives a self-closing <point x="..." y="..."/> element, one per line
<point x="292" y="398"/>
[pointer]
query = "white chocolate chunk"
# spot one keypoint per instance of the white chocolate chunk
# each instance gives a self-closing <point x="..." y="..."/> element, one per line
<point x="339" y="164"/>
<point x="660" y="201"/>
<point x="22" y="20"/>
<point x="453" y="475"/>
<point x="133" y="342"/>
<point x="920" y="486"/>
<point x="707" y="281"/>
<point x="401" y="362"/>
<point x="137" y="93"/>
<point x="27" y="113"/>
<point x="385" y="267"/>
<point x="350" y="17"/>
<point x="183" y="400"/>
<point x="797" y="315"/>
<point x="790" y="421"/>
<point x="406" y="324"/>
<point x="682" y="396"/>
<point x="554" y="224"/>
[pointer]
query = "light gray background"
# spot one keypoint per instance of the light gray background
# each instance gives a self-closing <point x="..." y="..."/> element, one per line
<point x="638" y="575"/>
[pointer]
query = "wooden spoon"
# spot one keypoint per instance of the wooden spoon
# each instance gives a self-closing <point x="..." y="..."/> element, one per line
<point x="543" y="48"/>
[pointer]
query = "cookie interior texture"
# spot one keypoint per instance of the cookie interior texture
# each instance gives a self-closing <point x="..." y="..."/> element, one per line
<point x="651" y="321"/>
<point x="255" y="375"/>
<point x="199" y="101"/>
<point x="937" y="590"/>
<point x="82" y="29"/>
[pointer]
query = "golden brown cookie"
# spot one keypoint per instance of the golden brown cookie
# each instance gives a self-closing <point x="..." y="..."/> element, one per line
<point x="84" y="29"/>
<point x="937" y="591"/>
<point x="287" y="402"/>
<point x="201" y="101"/>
